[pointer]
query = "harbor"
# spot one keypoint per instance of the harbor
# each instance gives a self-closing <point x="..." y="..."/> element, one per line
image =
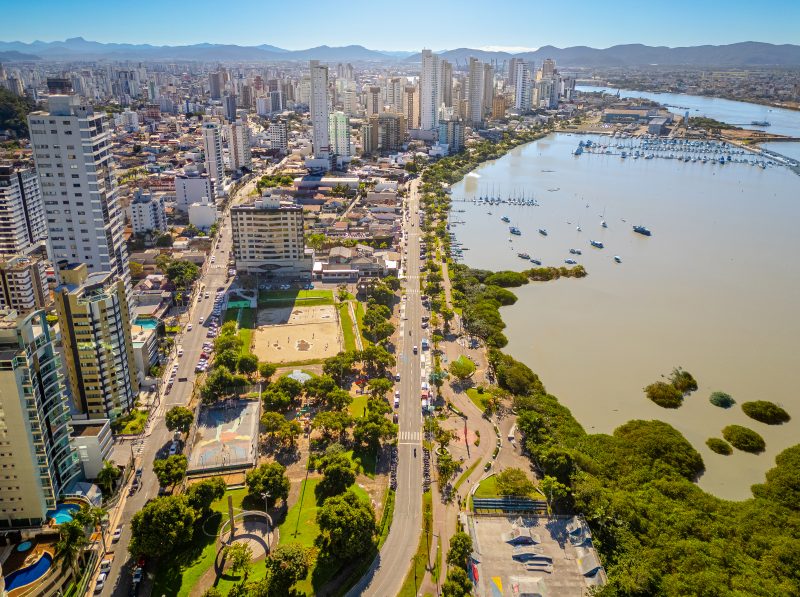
<point x="726" y="232"/>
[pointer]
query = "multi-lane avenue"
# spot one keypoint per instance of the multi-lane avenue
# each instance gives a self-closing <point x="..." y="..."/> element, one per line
<point x="387" y="573"/>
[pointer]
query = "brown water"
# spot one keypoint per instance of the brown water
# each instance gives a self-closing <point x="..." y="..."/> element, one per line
<point x="715" y="289"/>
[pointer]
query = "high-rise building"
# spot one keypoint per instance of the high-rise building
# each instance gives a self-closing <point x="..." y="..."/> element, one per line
<point x="369" y="136"/>
<point x="499" y="107"/>
<point x="451" y="133"/>
<point x="475" y="88"/>
<point x="212" y="145"/>
<point x="23" y="226"/>
<point x="373" y="100"/>
<point x="512" y="71"/>
<point x="488" y="88"/>
<point x="147" y="212"/>
<point x="72" y="149"/>
<point x="446" y="84"/>
<point x="246" y="97"/>
<point x="268" y="237"/>
<point x="320" y="110"/>
<point x="340" y="134"/>
<point x="23" y="283"/>
<point x="394" y="94"/>
<point x="215" y="85"/>
<point x="278" y="137"/>
<point x="229" y="106"/>
<point x="275" y="101"/>
<point x="239" y="146"/>
<point x="429" y="91"/>
<point x="391" y="130"/>
<point x="548" y="67"/>
<point x="350" y="99"/>
<point x="96" y="334"/>
<point x="37" y="458"/>
<point x="411" y="106"/>
<point x="523" y="91"/>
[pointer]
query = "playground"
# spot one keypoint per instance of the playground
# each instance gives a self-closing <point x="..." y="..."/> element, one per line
<point x="290" y="334"/>
<point x="226" y="436"/>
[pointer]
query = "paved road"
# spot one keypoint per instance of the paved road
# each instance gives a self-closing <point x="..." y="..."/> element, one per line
<point x="157" y="437"/>
<point x="387" y="573"/>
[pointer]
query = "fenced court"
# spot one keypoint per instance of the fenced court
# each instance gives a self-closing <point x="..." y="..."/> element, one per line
<point x="226" y="436"/>
<point x="287" y="334"/>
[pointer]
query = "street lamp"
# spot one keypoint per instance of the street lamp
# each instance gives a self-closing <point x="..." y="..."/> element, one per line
<point x="266" y="495"/>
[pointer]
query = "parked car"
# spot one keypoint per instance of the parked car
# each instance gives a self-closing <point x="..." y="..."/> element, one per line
<point x="101" y="582"/>
<point x="117" y="534"/>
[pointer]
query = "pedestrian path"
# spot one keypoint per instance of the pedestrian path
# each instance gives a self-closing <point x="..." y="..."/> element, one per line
<point x="409" y="437"/>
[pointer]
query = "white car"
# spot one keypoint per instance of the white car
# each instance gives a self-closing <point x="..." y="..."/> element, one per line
<point x="201" y="321"/>
<point x="101" y="582"/>
<point x="105" y="565"/>
<point x="117" y="534"/>
<point x="189" y="327"/>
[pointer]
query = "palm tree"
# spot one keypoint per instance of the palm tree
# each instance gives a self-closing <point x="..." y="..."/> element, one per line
<point x="91" y="517"/>
<point x="71" y="541"/>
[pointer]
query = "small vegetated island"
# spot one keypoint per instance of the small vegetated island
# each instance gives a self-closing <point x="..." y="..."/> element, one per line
<point x="744" y="439"/>
<point x="671" y="395"/>
<point x="764" y="411"/>
<point x="720" y="446"/>
<point x="721" y="399"/>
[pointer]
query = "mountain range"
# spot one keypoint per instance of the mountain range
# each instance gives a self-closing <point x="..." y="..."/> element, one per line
<point x="732" y="55"/>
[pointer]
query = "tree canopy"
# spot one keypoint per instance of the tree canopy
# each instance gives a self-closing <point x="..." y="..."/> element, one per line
<point x="347" y="527"/>
<point x="163" y="526"/>
<point x="268" y="478"/>
<point x="179" y="418"/>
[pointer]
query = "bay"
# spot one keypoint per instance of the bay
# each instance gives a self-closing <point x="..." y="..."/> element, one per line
<point x="714" y="290"/>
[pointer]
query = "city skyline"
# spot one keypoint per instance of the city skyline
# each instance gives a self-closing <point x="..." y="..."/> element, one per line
<point x="686" y="24"/>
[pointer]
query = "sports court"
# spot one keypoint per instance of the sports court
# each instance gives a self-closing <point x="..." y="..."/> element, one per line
<point x="226" y="436"/>
<point x="289" y="334"/>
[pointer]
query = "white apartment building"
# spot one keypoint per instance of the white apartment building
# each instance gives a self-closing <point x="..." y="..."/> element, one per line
<point x="263" y="106"/>
<point x="278" y="137"/>
<point x="147" y="212"/>
<point x="203" y="214"/>
<point x="268" y="238"/>
<point x="239" y="146"/>
<point x="523" y="90"/>
<point x="72" y="149"/>
<point x="23" y="226"/>
<point x="320" y="110"/>
<point x="429" y="91"/>
<point x="339" y="131"/>
<point x="191" y="187"/>
<point x="475" y="88"/>
<point x="215" y="165"/>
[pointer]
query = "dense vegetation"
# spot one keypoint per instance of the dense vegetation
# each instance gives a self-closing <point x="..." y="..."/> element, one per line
<point x="269" y="181"/>
<point x="703" y="122"/>
<point x="765" y="412"/>
<point x="671" y="395"/>
<point x="14" y="112"/>
<point x="722" y="399"/>
<point x="744" y="439"/>
<point x="720" y="446"/>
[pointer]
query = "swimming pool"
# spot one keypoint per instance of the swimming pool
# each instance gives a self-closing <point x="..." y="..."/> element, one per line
<point x="25" y="576"/>
<point x="63" y="512"/>
<point x="24" y="546"/>
<point x="147" y="323"/>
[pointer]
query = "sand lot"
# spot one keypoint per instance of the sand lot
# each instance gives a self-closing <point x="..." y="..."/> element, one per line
<point x="288" y="334"/>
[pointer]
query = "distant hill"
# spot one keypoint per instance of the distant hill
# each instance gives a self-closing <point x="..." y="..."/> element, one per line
<point x="733" y="55"/>
<point x="13" y="55"/>
<point x="740" y="54"/>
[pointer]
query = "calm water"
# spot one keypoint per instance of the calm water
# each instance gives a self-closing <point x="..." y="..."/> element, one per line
<point x="783" y="122"/>
<point x="715" y="289"/>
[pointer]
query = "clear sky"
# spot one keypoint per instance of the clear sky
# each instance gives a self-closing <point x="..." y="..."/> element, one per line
<point x="405" y="24"/>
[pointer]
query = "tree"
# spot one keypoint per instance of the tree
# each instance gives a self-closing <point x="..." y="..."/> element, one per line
<point x="379" y="332"/>
<point x="247" y="364"/>
<point x="347" y="527"/>
<point x="241" y="557"/>
<point x="372" y="428"/>
<point x="266" y="370"/>
<point x="683" y="381"/>
<point x="107" y="478"/>
<point x="171" y="470"/>
<point x="338" y="475"/>
<point x="230" y="342"/>
<point x="460" y="550"/>
<point x="330" y="422"/>
<point x="462" y="368"/>
<point x="553" y="490"/>
<point x="446" y="467"/>
<point x="201" y="495"/>
<point x="268" y="478"/>
<point x="182" y="273"/>
<point x="338" y="399"/>
<point x="228" y="358"/>
<point x="290" y="386"/>
<point x="218" y="384"/>
<point x="319" y="387"/>
<point x="272" y="422"/>
<point x="457" y="584"/>
<point x="514" y="481"/>
<point x="378" y="406"/>
<point x="339" y="366"/>
<point x="137" y="270"/>
<point x="212" y="592"/>
<point x="288" y="564"/>
<point x="70" y="544"/>
<point x="162" y="527"/>
<point x="179" y="418"/>
<point x="290" y="431"/>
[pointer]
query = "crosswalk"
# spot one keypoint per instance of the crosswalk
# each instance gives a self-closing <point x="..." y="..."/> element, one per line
<point x="409" y="436"/>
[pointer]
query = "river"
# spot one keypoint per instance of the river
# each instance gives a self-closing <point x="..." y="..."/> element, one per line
<point x="782" y="121"/>
<point x="715" y="289"/>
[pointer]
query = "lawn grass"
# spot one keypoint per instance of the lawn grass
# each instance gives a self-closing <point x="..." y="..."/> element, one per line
<point x="386" y="518"/>
<point x="303" y="298"/>
<point x="360" y="320"/>
<point x="364" y="461"/>
<point x="246" y="320"/>
<point x="416" y="574"/>
<point x="178" y="575"/>
<point x="357" y="406"/>
<point x="487" y="488"/>
<point x="346" y="323"/>
<point x="132" y="423"/>
<point x="476" y="398"/>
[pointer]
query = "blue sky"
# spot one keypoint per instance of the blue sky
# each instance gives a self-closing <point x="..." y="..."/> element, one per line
<point x="405" y="24"/>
